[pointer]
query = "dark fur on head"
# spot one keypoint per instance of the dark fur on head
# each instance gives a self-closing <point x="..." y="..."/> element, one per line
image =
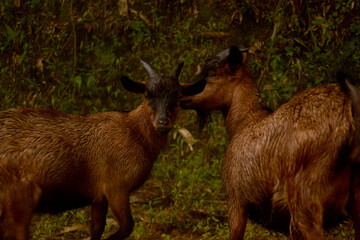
<point x="233" y="58"/>
<point x="341" y="76"/>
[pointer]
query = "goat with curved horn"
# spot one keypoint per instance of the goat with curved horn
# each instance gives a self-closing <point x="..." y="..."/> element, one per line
<point x="69" y="161"/>
<point x="299" y="162"/>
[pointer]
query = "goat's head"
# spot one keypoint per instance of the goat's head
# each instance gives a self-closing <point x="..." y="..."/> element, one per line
<point x="218" y="77"/>
<point x="162" y="95"/>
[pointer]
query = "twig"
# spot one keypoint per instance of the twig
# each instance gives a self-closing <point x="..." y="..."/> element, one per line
<point x="75" y="56"/>
<point x="139" y="201"/>
<point x="203" y="213"/>
<point x="277" y="20"/>
<point x="217" y="34"/>
<point x="71" y="229"/>
<point x="142" y="17"/>
<point x="262" y="75"/>
<point x="309" y="26"/>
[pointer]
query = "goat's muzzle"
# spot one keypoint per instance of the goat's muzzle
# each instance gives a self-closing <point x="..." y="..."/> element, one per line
<point x="161" y="129"/>
<point x="163" y="126"/>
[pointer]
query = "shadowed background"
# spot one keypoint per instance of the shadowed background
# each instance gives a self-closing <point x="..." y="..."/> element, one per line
<point x="70" y="55"/>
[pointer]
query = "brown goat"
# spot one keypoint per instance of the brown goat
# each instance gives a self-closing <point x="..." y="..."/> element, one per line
<point x="96" y="159"/>
<point x="293" y="165"/>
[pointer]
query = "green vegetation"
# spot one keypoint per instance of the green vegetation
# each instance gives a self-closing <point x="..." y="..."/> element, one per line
<point x="69" y="55"/>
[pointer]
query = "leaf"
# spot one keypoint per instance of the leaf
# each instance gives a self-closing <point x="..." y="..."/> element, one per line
<point x="90" y="81"/>
<point x="319" y="20"/>
<point x="268" y="87"/>
<point x="11" y="34"/>
<point x="108" y="89"/>
<point x="188" y="137"/>
<point x="71" y="229"/>
<point x="53" y="100"/>
<point x="78" y="81"/>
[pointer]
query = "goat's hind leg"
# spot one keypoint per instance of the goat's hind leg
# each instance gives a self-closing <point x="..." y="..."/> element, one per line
<point x="355" y="199"/>
<point x="237" y="220"/>
<point x="306" y="214"/>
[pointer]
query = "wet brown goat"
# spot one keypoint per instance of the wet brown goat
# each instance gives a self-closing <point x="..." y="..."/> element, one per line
<point x="292" y="165"/>
<point x="96" y="159"/>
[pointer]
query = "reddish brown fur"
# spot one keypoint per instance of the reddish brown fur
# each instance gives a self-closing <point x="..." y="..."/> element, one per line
<point x="18" y="198"/>
<point x="291" y="162"/>
<point x="77" y="160"/>
<point x="96" y="159"/>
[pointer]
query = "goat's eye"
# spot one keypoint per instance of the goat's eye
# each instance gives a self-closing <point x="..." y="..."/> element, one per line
<point x="150" y="95"/>
<point x="211" y="73"/>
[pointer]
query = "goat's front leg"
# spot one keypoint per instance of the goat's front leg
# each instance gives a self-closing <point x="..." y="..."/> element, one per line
<point x="98" y="218"/>
<point x="355" y="199"/>
<point x="120" y="205"/>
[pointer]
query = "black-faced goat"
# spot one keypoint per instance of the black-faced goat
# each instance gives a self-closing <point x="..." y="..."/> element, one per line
<point x="96" y="159"/>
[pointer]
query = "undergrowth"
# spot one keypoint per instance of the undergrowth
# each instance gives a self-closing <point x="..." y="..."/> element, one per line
<point x="69" y="55"/>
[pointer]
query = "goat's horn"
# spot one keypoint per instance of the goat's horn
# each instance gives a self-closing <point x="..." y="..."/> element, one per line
<point x="224" y="54"/>
<point x="176" y="71"/>
<point x="150" y="70"/>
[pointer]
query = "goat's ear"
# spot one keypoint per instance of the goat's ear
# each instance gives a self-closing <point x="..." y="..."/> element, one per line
<point x="193" y="89"/>
<point x="244" y="53"/>
<point x="132" y="86"/>
<point x="355" y="96"/>
<point x="236" y="57"/>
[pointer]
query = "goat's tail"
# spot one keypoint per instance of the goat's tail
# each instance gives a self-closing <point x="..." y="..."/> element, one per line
<point x="354" y="92"/>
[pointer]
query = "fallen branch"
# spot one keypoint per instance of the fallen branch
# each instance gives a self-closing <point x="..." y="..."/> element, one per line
<point x="216" y="34"/>
<point x="71" y="229"/>
<point x="136" y="200"/>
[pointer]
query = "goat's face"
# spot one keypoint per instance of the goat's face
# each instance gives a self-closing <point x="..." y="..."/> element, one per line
<point x="218" y="78"/>
<point x="162" y="96"/>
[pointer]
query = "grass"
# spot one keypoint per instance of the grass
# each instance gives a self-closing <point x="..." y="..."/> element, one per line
<point x="80" y="48"/>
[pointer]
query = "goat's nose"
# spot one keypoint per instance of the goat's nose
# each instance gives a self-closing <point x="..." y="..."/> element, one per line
<point x="163" y="121"/>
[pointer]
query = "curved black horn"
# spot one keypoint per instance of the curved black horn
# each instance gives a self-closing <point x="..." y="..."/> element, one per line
<point x="224" y="54"/>
<point x="150" y="70"/>
<point x="176" y="71"/>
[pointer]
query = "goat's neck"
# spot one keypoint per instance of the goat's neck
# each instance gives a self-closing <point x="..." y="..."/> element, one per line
<point x="246" y="107"/>
<point x="144" y="130"/>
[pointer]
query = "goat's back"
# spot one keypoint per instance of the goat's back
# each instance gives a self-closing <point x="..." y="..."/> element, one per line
<point x="69" y="155"/>
<point x="305" y="141"/>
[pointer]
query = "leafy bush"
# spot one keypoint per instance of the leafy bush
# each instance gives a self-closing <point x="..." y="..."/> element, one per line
<point x="69" y="55"/>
